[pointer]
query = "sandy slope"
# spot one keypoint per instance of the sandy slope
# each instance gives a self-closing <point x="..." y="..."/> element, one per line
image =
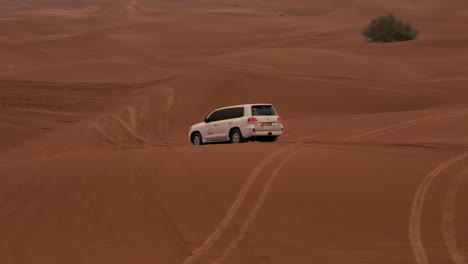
<point x="96" y="98"/>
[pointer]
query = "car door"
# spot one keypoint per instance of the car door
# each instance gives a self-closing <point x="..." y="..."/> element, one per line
<point x="212" y="132"/>
<point x="224" y="124"/>
<point x="230" y="116"/>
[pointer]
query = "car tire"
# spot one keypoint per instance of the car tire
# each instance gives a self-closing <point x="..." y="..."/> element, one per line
<point x="197" y="139"/>
<point x="236" y="136"/>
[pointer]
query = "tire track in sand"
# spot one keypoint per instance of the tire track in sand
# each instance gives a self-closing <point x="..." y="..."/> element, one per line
<point x="375" y="132"/>
<point x="164" y="125"/>
<point x="448" y="215"/>
<point x="232" y="211"/>
<point x="406" y="124"/>
<point x="130" y="126"/>
<point x="418" y="201"/>
<point x="108" y="138"/>
<point x="134" y="127"/>
<point x="417" y="206"/>
<point x="253" y="213"/>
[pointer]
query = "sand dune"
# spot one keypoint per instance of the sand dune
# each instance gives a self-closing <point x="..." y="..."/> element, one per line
<point x="96" y="98"/>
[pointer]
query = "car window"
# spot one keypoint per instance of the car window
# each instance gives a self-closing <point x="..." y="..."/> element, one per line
<point x="234" y="112"/>
<point x="263" y="110"/>
<point x="215" y="116"/>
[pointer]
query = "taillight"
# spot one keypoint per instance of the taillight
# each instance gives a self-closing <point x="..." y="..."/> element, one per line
<point x="279" y="119"/>
<point x="252" y="120"/>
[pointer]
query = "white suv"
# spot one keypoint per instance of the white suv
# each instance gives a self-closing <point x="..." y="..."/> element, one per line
<point x="238" y="124"/>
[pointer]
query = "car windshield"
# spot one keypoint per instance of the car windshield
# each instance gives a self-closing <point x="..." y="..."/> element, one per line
<point x="263" y="110"/>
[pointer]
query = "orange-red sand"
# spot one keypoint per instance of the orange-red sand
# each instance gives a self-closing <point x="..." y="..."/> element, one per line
<point x="96" y="99"/>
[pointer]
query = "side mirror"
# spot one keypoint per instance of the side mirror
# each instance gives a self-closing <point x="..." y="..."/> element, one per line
<point x="206" y="120"/>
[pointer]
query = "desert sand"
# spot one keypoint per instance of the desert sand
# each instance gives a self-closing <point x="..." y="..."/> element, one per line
<point x="96" y="99"/>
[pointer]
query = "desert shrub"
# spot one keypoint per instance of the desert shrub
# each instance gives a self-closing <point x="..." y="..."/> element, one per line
<point x="389" y="29"/>
<point x="282" y="14"/>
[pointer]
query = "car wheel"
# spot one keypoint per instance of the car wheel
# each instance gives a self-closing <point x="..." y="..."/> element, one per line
<point x="236" y="136"/>
<point x="197" y="139"/>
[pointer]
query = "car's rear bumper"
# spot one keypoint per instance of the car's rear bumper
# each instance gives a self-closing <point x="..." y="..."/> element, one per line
<point x="249" y="132"/>
<point x="266" y="133"/>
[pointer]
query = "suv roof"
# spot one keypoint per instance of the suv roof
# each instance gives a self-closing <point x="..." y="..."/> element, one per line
<point x="238" y="106"/>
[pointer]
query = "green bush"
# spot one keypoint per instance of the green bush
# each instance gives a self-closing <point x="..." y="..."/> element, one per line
<point x="389" y="29"/>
